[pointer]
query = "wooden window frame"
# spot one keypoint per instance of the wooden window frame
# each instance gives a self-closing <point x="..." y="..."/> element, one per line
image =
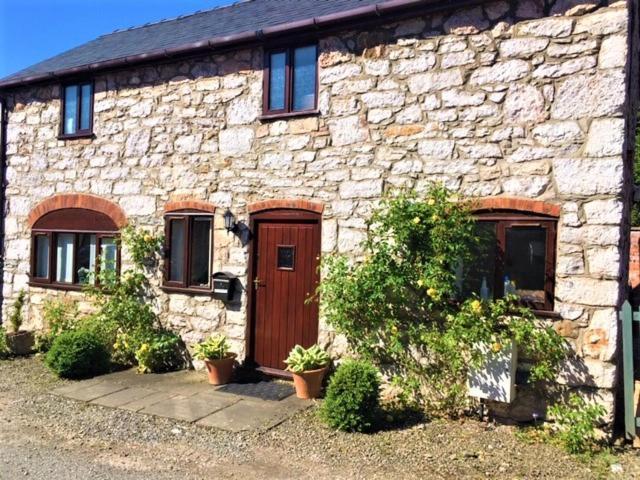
<point x="184" y="286"/>
<point x="287" y="111"/>
<point x="52" y="235"/>
<point x="78" y="132"/>
<point x="505" y="220"/>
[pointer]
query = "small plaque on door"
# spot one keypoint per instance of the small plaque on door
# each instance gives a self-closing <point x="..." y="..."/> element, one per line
<point x="286" y="257"/>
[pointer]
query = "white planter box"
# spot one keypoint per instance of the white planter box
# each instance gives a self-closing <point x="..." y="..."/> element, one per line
<point x="496" y="378"/>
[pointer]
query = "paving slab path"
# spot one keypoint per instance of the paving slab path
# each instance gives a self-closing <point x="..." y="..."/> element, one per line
<point x="184" y="396"/>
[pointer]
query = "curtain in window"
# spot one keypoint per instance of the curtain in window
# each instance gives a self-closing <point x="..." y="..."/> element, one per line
<point x="86" y="261"/>
<point x="304" y="78"/>
<point x="42" y="256"/>
<point x="64" y="258"/>
<point x="108" y="253"/>
<point x="277" y="80"/>
<point x="85" y="107"/>
<point x="70" y="109"/>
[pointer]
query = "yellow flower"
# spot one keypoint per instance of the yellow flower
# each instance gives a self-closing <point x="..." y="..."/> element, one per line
<point x="432" y="292"/>
<point x="496" y="347"/>
<point x="476" y="306"/>
<point x="421" y="283"/>
<point x="394" y="329"/>
<point x="431" y="202"/>
<point x="147" y="238"/>
<point x="416" y="220"/>
<point x="435" y="218"/>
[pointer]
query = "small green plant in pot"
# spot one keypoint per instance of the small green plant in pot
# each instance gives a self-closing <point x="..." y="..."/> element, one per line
<point x="216" y="356"/>
<point x="20" y="341"/>
<point x="308" y="366"/>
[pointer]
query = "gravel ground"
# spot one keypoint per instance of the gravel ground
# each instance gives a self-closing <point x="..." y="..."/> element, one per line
<point x="44" y="436"/>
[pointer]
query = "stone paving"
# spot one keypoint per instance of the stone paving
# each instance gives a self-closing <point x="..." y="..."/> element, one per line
<point x="184" y="396"/>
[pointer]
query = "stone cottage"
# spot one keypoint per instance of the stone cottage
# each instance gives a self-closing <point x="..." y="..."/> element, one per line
<point x="288" y="119"/>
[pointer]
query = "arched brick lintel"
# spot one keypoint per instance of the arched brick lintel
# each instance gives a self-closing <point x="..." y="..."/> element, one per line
<point x="186" y="204"/>
<point x="517" y="204"/>
<point x="298" y="204"/>
<point x="78" y="200"/>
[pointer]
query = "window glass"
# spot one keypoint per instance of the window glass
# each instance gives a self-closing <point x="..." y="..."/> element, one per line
<point x="277" y="74"/>
<point x="70" y="109"/>
<point x="86" y="260"/>
<point x="304" y="78"/>
<point x="479" y="275"/>
<point x="200" y="249"/>
<point x="85" y="107"/>
<point x="525" y="255"/>
<point x="64" y="257"/>
<point x="176" y="256"/>
<point x="108" y="253"/>
<point x="42" y="257"/>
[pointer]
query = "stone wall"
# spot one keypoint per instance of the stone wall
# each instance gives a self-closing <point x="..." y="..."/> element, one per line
<point x="517" y="99"/>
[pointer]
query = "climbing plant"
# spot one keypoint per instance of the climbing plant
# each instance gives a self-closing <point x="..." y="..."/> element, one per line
<point x="400" y="305"/>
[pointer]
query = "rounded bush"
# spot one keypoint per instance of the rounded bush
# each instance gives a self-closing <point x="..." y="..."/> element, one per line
<point x="352" y="400"/>
<point x="77" y="354"/>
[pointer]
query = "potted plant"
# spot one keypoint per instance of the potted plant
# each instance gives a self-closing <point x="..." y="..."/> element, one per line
<point x="216" y="356"/>
<point x="20" y="342"/>
<point x="308" y="366"/>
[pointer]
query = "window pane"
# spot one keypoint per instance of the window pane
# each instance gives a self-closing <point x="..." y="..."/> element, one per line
<point x="70" y="109"/>
<point x="479" y="275"/>
<point x="304" y="78"/>
<point x="64" y="257"/>
<point x="200" y="250"/>
<point x="108" y="253"/>
<point x="525" y="261"/>
<point x="176" y="256"/>
<point x="42" y="256"/>
<point x="277" y="73"/>
<point x="85" y="108"/>
<point x="86" y="261"/>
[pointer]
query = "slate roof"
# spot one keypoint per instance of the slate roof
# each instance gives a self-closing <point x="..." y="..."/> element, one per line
<point x="244" y="16"/>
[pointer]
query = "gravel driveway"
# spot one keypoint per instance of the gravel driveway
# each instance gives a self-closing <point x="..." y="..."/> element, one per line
<point x="44" y="436"/>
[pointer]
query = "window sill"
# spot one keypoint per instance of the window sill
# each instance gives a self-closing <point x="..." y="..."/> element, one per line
<point x="57" y="286"/>
<point x="76" y="136"/>
<point x="186" y="290"/>
<point x="282" y="116"/>
<point x="547" y="314"/>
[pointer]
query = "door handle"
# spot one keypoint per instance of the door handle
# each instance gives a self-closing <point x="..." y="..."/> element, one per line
<point x="257" y="283"/>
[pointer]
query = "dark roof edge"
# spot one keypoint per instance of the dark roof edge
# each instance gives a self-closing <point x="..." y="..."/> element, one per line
<point x="381" y="9"/>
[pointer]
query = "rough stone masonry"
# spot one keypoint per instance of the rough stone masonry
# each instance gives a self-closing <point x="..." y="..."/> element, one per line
<point x="525" y="99"/>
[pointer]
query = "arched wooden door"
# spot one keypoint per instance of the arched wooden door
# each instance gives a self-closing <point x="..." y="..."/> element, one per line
<point x="284" y="273"/>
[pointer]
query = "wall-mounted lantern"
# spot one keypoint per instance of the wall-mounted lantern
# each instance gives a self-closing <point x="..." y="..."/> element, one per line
<point x="230" y="223"/>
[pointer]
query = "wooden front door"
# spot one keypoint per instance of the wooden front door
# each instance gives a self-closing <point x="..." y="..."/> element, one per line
<point x="286" y="252"/>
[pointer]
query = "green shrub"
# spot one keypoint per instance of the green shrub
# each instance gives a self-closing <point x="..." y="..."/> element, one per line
<point x="161" y="352"/>
<point x="77" y="354"/>
<point x="304" y="359"/>
<point x="575" y="424"/>
<point x="215" y="347"/>
<point x="60" y="315"/>
<point x="352" y="400"/>
<point x="4" y="348"/>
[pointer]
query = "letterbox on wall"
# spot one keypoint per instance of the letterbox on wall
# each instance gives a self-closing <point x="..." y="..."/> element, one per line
<point x="224" y="286"/>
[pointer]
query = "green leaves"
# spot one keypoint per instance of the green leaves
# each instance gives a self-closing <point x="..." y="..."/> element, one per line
<point x="304" y="359"/>
<point x="400" y="307"/>
<point x="215" y="347"/>
<point x="575" y="423"/>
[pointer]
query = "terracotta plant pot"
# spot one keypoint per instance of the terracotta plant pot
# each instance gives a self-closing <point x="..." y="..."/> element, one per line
<point x="20" y="343"/>
<point x="309" y="384"/>
<point x="220" y="370"/>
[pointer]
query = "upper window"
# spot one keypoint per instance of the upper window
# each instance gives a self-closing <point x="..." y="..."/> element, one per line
<point x="290" y="78"/>
<point x="77" y="109"/>
<point x="189" y="243"/>
<point x="516" y="254"/>
<point x="69" y="247"/>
